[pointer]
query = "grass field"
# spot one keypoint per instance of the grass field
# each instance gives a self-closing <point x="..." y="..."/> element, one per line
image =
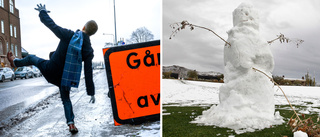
<point x="176" y="123"/>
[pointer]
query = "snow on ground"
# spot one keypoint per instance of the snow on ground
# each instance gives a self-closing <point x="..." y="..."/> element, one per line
<point x="299" y="95"/>
<point x="189" y="93"/>
<point x="195" y="93"/>
<point x="91" y="119"/>
<point x="300" y="134"/>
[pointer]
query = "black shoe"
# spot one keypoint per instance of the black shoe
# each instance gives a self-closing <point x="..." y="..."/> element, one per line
<point x="73" y="129"/>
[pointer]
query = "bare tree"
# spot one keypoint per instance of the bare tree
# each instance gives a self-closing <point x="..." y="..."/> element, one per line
<point x="141" y="35"/>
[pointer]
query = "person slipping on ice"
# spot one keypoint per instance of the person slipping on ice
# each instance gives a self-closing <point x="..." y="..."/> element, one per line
<point x="73" y="48"/>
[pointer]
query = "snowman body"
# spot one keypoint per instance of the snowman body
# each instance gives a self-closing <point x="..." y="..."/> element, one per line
<point x="247" y="97"/>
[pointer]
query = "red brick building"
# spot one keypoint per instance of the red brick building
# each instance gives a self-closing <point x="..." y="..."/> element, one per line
<point x="10" y="36"/>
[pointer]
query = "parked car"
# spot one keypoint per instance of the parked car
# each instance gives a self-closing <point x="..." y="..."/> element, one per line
<point x="6" y="73"/>
<point x="23" y="72"/>
<point x="36" y="72"/>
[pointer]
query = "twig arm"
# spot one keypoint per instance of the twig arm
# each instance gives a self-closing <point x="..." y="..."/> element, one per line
<point x="280" y="89"/>
<point x="183" y="24"/>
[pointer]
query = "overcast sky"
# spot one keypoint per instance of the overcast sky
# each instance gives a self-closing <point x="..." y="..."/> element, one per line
<point x="201" y="50"/>
<point x="73" y="14"/>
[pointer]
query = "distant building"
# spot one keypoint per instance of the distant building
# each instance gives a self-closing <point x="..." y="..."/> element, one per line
<point x="179" y="72"/>
<point x="10" y="36"/>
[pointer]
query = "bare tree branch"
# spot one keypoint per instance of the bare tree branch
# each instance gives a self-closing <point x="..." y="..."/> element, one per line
<point x="182" y="25"/>
<point x="282" y="39"/>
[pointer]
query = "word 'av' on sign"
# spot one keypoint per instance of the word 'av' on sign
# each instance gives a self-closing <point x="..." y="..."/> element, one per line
<point x="133" y="73"/>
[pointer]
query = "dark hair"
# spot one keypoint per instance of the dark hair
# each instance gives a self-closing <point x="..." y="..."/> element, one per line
<point x="91" y="27"/>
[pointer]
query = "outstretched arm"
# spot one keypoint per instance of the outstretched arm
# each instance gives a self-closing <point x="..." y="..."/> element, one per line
<point x="88" y="76"/>
<point x="60" y="32"/>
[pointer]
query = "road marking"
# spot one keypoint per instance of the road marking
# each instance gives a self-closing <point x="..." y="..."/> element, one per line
<point x="10" y="88"/>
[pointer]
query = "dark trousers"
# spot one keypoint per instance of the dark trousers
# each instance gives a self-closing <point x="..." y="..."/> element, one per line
<point x="64" y="91"/>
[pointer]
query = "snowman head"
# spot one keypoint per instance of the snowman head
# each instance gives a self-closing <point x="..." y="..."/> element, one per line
<point x="246" y="15"/>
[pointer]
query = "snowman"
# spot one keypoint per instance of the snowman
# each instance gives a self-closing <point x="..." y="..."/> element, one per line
<point x="247" y="97"/>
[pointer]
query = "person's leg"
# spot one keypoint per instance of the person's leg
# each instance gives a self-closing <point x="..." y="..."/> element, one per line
<point x="29" y="60"/>
<point x="67" y="105"/>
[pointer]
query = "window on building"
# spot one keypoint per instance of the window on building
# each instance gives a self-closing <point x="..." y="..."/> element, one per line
<point x="12" y="50"/>
<point x="7" y="46"/>
<point x="15" y="31"/>
<point x="1" y="47"/>
<point x="16" y="50"/>
<point x="10" y="30"/>
<point x="11" y="6"/>
<point x="2" y="26"/>
<point x="2" y="4"/>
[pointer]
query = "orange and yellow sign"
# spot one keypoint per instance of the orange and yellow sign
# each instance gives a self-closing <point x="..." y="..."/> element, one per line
<point x="133" y="73"/>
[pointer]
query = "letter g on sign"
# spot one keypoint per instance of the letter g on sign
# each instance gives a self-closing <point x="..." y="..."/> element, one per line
<point x="137" y="61"/>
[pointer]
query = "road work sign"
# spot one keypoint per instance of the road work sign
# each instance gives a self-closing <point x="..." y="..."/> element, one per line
<point x="133" y="73"/>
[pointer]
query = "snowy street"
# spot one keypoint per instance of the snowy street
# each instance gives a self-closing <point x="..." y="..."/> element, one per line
<point x="91" y="119"/>
<point x="16" y="96"/>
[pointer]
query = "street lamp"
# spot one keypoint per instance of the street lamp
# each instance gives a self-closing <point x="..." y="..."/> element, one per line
<point x="115" y="23"/>
<point x="112" y="38"/>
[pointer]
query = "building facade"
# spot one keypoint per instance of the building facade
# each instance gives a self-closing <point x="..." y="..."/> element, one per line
<point x="10" y="36"/>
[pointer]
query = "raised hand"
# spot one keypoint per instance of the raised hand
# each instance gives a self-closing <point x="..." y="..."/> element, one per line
<point x="40" y="8"/>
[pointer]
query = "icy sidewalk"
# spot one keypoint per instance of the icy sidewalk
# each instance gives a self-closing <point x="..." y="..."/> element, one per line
<point x="91" y="119"/>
